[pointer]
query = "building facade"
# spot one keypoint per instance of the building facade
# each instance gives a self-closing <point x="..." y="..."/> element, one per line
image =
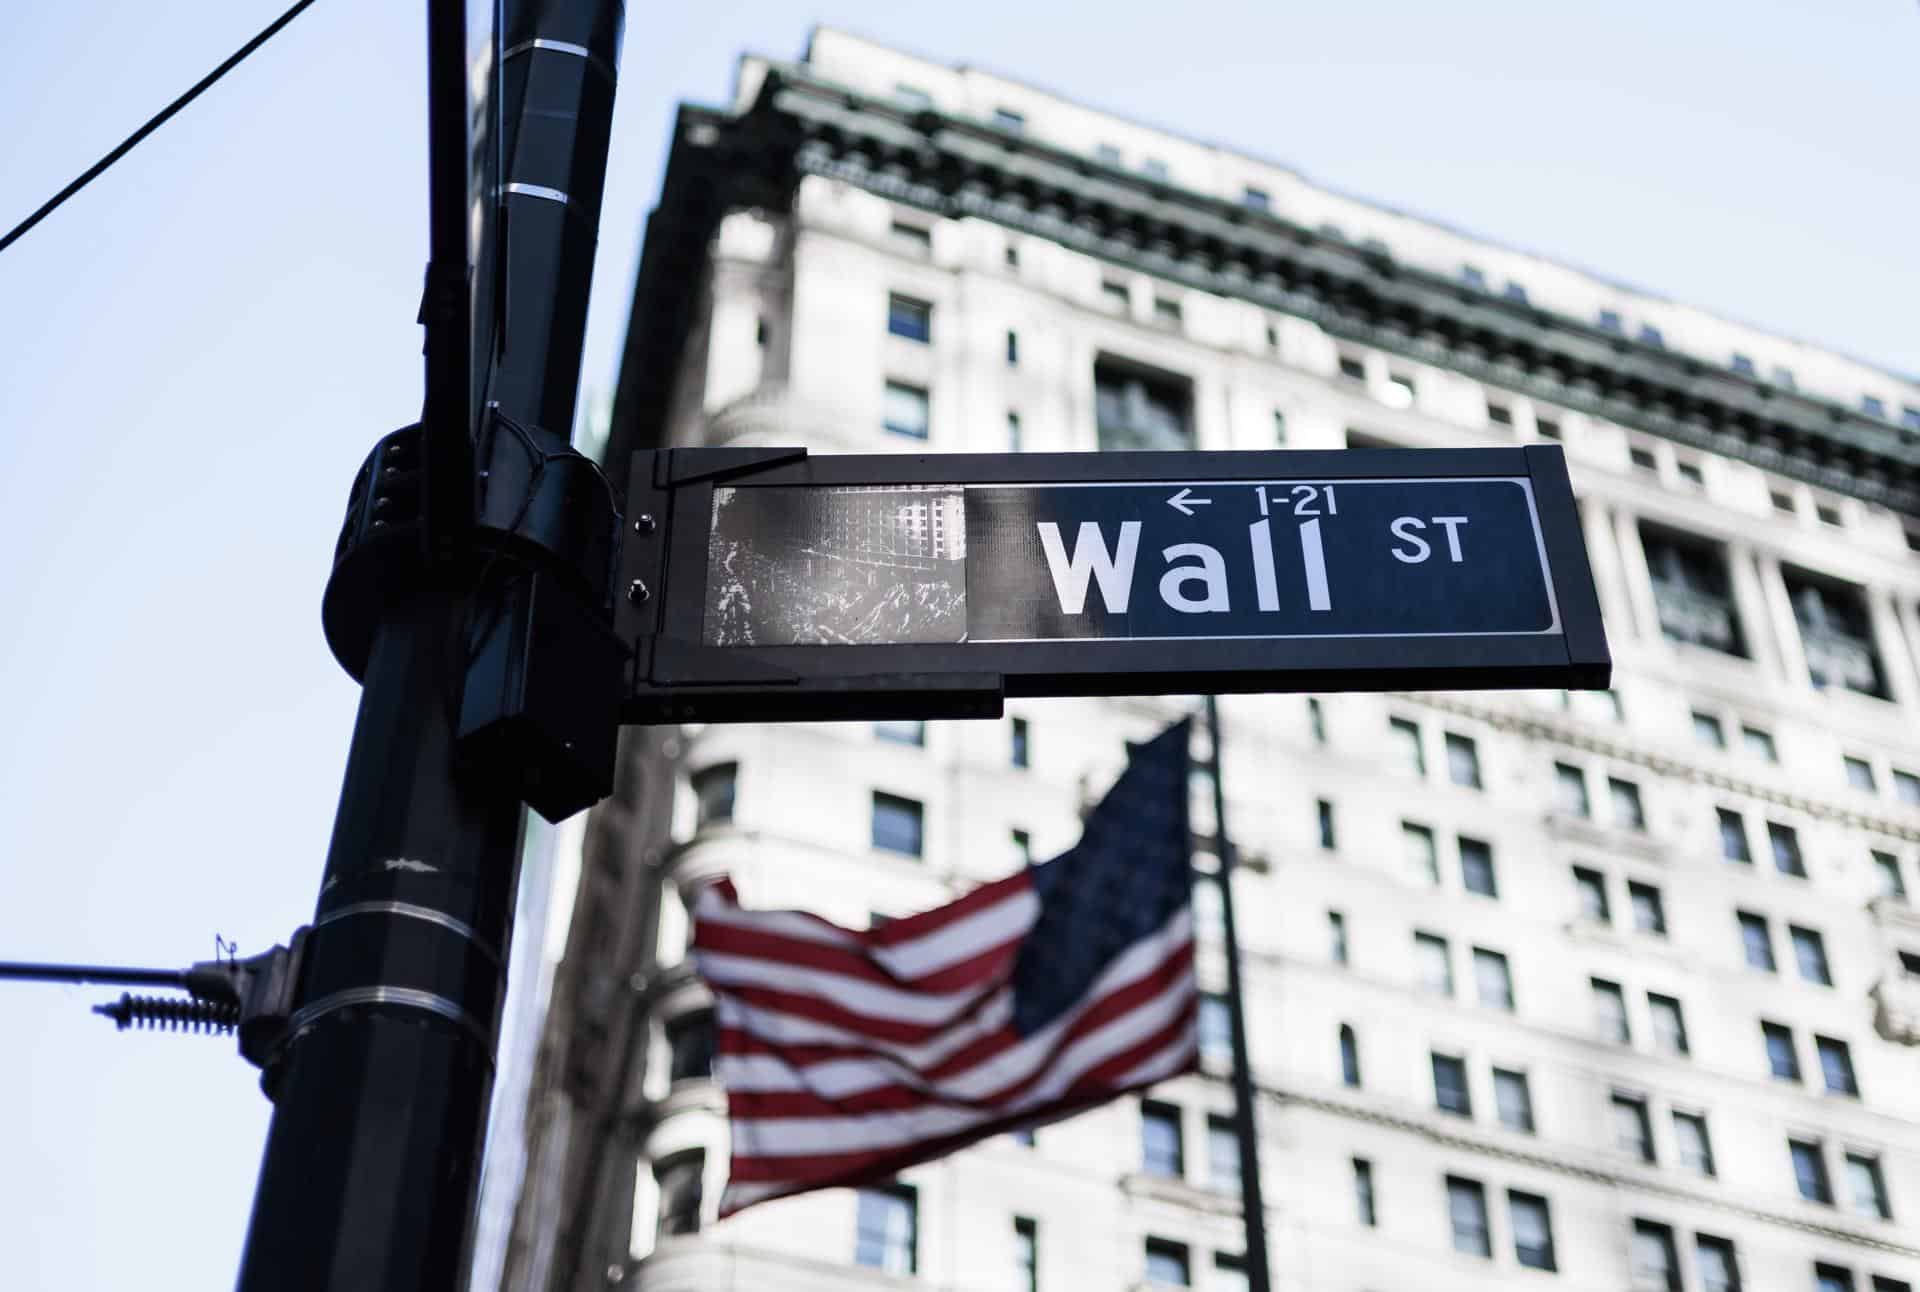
<point x="1603" y="990"/>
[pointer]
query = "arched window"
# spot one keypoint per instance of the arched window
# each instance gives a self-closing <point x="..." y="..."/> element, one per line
<point x="1349" y="1056"/>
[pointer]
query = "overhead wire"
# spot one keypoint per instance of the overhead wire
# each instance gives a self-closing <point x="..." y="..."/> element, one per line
<point x="159" y="119"/>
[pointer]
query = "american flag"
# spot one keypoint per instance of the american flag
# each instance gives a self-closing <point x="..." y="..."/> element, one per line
<point x="848" y="1055"/>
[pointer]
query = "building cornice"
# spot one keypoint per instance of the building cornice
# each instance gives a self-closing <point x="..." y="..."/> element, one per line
<point x="956" y="167"/>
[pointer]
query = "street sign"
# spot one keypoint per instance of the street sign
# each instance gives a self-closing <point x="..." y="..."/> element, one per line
<point x="767" y="583"/>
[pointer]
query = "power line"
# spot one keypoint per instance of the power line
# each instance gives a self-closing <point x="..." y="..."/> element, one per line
<point x="154" y="123"/>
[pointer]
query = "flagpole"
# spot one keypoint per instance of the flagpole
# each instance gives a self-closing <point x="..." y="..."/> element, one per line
<point x="1252" y="1208"/>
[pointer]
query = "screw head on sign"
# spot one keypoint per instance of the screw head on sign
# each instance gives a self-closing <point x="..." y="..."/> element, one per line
<point x="637" y="592"/>
<point x="643" y="523"/>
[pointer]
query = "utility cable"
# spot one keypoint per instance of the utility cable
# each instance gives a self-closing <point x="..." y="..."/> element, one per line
<point x="159" y="119"/>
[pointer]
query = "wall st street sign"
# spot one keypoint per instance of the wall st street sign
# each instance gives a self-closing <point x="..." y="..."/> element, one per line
<point x="767" y="583"/>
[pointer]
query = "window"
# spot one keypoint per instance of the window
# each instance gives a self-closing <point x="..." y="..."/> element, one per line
<point x="1476" y="867"/>
<point x="1883" y="1284"/>
<point x="1632" y="1133"/>
<point x="1532" y="1230"/>
<point x="1431" y="963"/>
<point x="1786" y="849"/>
<point x="760" y="330"/>
<point x="1609" y="321"/>
<point x="1548" y="429"/>
<point x="1782" y="501"/>
<point x="885" y="1228"/>
<point x="1873" y="406"/>
<point x="901" y="732"/>
<point x="1022" y="843"/>
<point x="1832" y="1278"/>
<point x="1399" y="390"/>
<point x="1026" y="1254"/>
<point x="1656" y="1266"/>
<point x="1499" y="414"/>
<point x="1013" y="256"/>
<point x="1136" y="409"/>
<point x="1022" y="746"/>
<point x="1860" y="774"/>
<point x="1759" y="744"/>
<point x="1107" y="155"/>
<point x="904" y="410"/>
<point x="1013" y="432"/>
<point x="1316" y="720"/>
<point x="1008" y="119"/>
<point x="1013" y="348"/>
<point x="1783" y="378"/>
<point x="897" y="824"/>
<point x="1512" y="1100"/>
<point x="1404" y="735"/>
<point x="1223" y="1155"/>
<point x="1167" y="1263"/>
<point x="1166" y="312"/>
<point x="1810" y="1170"/>
<point x="1690" y="473"/>
<point x="1423" y="857"/>
<point x="1691" y="590"/>
<point x="1154" y="168"/>
<point x="1363" y="1192"/>
<point x="1349" y="1057"/>
<point x="1643" y="460"/>
<point x="1910" y="963"/>
<point x="713" y="794"/>
<point x="1472" y="276"/>
<point x="1229" y="1273"/>
<point x="1782" y="1059"/>
<point x="1591" y="885"/>
<point x="1279" y="428"/>
<point x="1906" y="788"/>
<point x="1337" y="936"/>
<point x="1467" y="1211"/>
<point x="1886" y="869"/>
<point x="1570" y="790"/>
<point x="690" y="1046"/>
<point x="1450" y="1094"/>
<point x="1627" y="812"/>
<point x="1492" y="979"/>
<point x="1837" y="633"/>
<point x="1463" y="761"/>
<point x="1216" y="1032"/>
<point x="1836" y="1065"/>
<point x="1515" y="292"/>
<point x="1115" y="295"/>
<point x="1733" y="836"/>
<point x="1868" y="1186"/>
<point x="912" y="96"/>
<point x="909" y="318"/>
<point x="1256" y="199"/>
<point x="1810" y="953"/>
<point x="1713" y="1258"/>
<point x="1323" y="810"/>
<point x="1756" y="940"/>
<point x="1160" y="1148"/>
<point x="1708" y="731"/>
<point x="1649" y="913"/>
<point x="1669" y="1024"/>
<point x="1352" y="368"/>
<point x="1743" y="364"/>
<point x="681" y="1184"/>
<point x="1610" y="1011"/>
<point x="1690" y="1138"/>
<point x="1650" y="335"/>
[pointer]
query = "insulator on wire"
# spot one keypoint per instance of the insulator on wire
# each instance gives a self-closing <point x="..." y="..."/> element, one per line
<point x="172" y="1015"/>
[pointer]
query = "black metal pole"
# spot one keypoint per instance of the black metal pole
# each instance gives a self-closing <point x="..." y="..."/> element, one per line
<point x="115" y="974"/>
<point x="1245" y="1129"/>
<point x="382" y="1081"/>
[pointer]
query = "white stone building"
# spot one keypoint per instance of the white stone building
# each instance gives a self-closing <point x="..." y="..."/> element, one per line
<point x="1596" y="991"/>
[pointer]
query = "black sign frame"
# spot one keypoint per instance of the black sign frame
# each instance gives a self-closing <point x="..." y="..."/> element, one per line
<point x="676" y="677"/>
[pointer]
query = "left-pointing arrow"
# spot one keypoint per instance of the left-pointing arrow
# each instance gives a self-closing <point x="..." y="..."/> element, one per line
<point x="1184" y="502"/>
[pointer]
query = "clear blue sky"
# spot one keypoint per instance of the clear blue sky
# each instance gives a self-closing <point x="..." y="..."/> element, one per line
<point x="196" y="353"/>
